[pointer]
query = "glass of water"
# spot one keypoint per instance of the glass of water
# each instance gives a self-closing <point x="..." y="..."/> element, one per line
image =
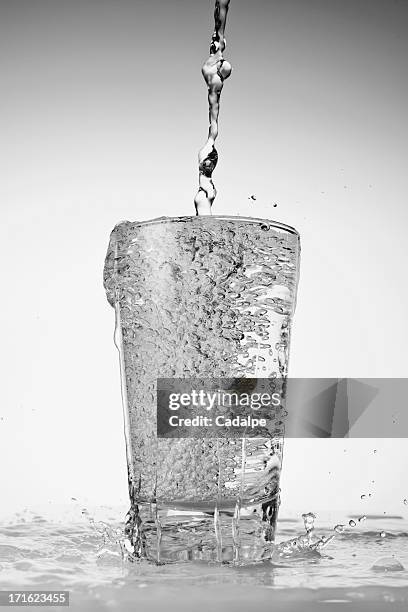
<point x="205" y="297"/>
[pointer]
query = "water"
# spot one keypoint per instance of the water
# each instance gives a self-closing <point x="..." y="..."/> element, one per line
<point x="200" y="297"/>
<point x="74" y="550"/>
<point x="215" y="71"/>
<point x="204" y="298"/>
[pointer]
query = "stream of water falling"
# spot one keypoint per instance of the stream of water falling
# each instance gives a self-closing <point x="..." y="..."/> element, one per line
<point x="215" y="70"/>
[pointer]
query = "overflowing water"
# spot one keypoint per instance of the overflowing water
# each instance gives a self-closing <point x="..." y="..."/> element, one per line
<point x="215" y="70"/>
<point x="79" y="552"/>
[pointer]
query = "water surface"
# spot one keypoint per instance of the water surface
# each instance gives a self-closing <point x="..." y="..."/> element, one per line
<point x="76" y="551"/>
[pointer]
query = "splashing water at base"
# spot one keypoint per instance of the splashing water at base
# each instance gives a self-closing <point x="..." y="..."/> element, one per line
<point x="86" y="554"/>
<point x="215" y="71"/>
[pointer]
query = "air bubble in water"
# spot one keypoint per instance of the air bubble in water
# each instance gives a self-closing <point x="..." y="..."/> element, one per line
<point x="352" y="523"/>
<point x="406" y="502"/>
<point x="363" y="496"/>
<point x="339" y="528"/>
<point x="383" y="534"/>
<point x="362" y="518"/>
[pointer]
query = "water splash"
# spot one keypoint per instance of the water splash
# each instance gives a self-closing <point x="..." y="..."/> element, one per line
<point x="215" y="70"/>
<point x="304" y="544"/>
<point x="309" y="520"/>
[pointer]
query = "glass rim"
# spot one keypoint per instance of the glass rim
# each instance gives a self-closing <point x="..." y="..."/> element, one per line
<point x="274" y="224"/>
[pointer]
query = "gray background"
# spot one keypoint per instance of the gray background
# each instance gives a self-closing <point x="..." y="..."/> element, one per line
<point x="103" y="110"/>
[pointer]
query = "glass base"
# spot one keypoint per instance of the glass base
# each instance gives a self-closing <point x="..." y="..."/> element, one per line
<point x="165" y="534"/>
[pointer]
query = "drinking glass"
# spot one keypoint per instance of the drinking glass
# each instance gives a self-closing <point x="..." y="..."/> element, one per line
<point x="208" y="297"/>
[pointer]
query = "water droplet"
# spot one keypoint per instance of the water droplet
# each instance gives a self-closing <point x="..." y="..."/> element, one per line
<point x="252" y="197"/>
<point x="363" y="496"/>
<point x="374" y="451"/>
<point x="406" y="502"/>
<point x="339" y="528"/>
<point x="362" y="518"/>
<point x="308" y="520"/>
<point x="275" y="205"/>
<point x="352" y="523"/>
<point x="383" y="534"/>
<point x="388" y="564"/>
